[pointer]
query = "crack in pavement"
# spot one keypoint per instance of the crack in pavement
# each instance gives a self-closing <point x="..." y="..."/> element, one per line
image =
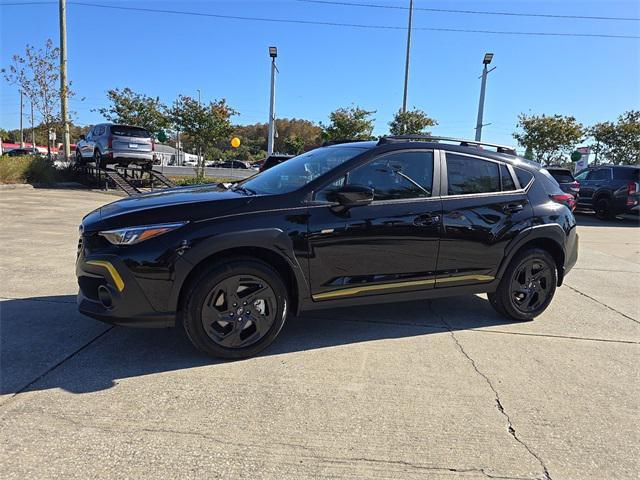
<point x="499" y="405"/>
<point x="312" y="451"/>
<point x="601" y="303"/>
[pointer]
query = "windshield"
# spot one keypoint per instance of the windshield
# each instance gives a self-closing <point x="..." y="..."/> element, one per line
<point x="297" y="172"/>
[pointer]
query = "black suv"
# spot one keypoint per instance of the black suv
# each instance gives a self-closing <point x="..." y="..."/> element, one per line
<point x="403" y="218"/>
<point x="610" y="190"/>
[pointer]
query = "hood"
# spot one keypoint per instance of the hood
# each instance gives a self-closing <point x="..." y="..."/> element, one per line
<point x="171" y="205"/>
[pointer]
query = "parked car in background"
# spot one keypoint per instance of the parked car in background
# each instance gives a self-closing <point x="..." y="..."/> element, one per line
<point x="19" y="152"/>
<point x="273" y="160"/>
<point x="402" y="218"/>
<point x="107" y="144"/>
<point x="566" y="180"/>
<point x="610" y="190"/>
<point x="230" y="164"/>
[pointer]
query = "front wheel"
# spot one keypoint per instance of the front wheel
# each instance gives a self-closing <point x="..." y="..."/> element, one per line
<point x="79" y="159"/>
<point x="527" y="287"/>
<point x="236" y="309"/>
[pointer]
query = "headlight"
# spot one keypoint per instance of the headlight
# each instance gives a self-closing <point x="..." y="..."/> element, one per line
<point x="133" y="235"/>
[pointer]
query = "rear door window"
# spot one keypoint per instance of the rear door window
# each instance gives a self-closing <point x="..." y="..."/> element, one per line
<point x="467" y="175"/>
<point x="600" y="174"/>
<point x="136" y="132"/>
<point x="507" y="180"/>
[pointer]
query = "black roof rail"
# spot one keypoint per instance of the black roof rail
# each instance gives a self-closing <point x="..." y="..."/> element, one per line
<point x="462" y="142"/>
<point x="328" y="143"/>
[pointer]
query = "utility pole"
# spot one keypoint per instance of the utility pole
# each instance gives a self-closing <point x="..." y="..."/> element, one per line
<point x="21" y="135"/>
<point x="63" y="80"/>
<point x="406" y="64"/>
<point x="33" y="130"/>
<point x="273" y="53"/>
<point x="487" y="60"/>
<point x="200" y="161"/>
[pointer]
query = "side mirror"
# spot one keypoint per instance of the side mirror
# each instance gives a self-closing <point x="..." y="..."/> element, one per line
<point x="353" y="196"/>
<point x="83" y="137"/>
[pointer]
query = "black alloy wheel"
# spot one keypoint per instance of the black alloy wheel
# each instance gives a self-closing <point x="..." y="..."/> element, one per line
<point x="527" y="285"/>
<point x="234" y="309"/>
<point x="98" y="160"/>
<point x="603" y="209"/>
<point x="239" y="311"/>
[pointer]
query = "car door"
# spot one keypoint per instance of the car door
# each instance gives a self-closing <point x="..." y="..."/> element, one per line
<point x="388" y="246"/>
<point x="85" y="145"/>
<point x="594" y="180"/>
<point x="483" y="209"/>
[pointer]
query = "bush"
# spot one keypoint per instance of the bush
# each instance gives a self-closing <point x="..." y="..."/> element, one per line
<point x="30" y="169"/>
<point x="198" y="180"/>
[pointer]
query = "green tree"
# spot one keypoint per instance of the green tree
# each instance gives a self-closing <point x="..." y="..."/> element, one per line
<point x="351" y="123"/>
<point x="293" y="145"/>
<point x="206" y="124"/>
<point x="618" y="143"/>
<point x="411" y="122"/>
<point x="550" y="138"/>
<point x="134" y="108"/>
<point x="37" y="75"/>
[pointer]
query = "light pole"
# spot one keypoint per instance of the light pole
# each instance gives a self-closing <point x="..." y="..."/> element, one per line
<point x="273" y="53"/>
<point x="63" y="80"/>
<point x="406" y="63"/>
<point x="200" y="161"/>
<point x="486" y="61"/>
<point x="21" y="134"/>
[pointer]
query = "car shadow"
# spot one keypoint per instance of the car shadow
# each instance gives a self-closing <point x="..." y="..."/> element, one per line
<point x="589" y="219"/>
<point x="47" y="344"/>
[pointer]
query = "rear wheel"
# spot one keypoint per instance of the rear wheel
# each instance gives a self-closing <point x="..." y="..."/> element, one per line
<point x="99" y="160"/>
<point x="235" y="310"/>
<point x="527" y="287"/>
<point x="603" y="209"/>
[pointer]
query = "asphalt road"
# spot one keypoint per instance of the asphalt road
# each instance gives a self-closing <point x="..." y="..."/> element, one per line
<point x="209" y="172"/>
<point x="436" y="389"/>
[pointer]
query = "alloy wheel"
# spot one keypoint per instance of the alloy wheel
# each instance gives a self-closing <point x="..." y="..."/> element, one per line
<point x="239" y="311"/>
<point x="531" y="285"/>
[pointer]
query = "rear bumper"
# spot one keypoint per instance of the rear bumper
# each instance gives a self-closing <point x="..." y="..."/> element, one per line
<point x="129" y="156"/>
<point x="571" y="255"/>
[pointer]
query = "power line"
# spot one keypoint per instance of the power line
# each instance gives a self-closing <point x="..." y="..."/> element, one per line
<point x="473" y="12"/>
<point x="337" y="24"/>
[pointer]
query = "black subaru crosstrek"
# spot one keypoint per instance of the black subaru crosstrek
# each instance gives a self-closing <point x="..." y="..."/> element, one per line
<point x="403" y="218"/>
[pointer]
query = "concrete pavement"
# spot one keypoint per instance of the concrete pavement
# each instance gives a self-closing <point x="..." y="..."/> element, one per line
<point x="440" y="389"/>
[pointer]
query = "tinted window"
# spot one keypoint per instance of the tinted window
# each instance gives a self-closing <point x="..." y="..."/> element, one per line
<point x="396" y="176"/>
<point x="582" y="175"/>
<point x="100" y="130"/>
<point x="507" y="181"/>
<point x="297" y="172"/>
<point x="129" y="132"/>
<point x="524" y="177"/>
<point x="626" y="173"/>
<point x="600" y="174"/>
<point x="471" y="175"/>
<point x="562" y="176"/>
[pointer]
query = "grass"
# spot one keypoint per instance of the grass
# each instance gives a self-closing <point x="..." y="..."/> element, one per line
<point x="34" y="170"/>
<point x="182" y="181"/>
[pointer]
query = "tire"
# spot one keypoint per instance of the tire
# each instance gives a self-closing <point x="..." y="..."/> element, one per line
<point x="213" y="304"/>
<point x="604" y="209"/>
<point x="99" y="160"/>
<point x="79" y="158"/>
<point x="523" y="293"/>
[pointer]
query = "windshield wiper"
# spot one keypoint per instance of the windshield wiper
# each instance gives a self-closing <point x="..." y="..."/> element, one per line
<point x="246" y="190"/>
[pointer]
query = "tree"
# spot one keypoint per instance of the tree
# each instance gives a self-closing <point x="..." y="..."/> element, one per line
<point x="618" y="143"/>
<point x="550" y="138"/>
<point x="351" y="123"/>
<point x="293" y="145"/>
<point x="206" y="124"/>
<point x="37" y="75"/>
<point x="134" y="108"/>
<point x="411" y="122"/>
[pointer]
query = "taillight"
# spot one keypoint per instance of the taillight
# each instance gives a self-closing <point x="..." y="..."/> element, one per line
<point x="632" y="188"/>
<point x="565" y="199"/>
<point x="575" y="185"/>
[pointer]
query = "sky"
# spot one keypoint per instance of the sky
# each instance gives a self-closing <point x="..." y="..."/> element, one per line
<point x="324" y="67"/>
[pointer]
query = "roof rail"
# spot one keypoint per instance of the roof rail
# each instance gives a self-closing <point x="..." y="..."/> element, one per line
<point x="462" y="142"/>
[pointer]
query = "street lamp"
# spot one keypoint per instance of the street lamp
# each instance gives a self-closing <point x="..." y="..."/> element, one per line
<point x="273" y="53"/>
<point x="486" y="61"/>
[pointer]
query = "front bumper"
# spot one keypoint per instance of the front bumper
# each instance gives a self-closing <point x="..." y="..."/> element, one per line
<point x="109" y="292"/>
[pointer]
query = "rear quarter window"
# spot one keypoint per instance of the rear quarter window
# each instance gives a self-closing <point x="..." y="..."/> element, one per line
<point x="626" y="174"/>
<point x="524" y="177"/>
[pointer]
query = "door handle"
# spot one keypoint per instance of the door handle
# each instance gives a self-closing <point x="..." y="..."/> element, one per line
<point x="426" y="220"/>
<point x="512" y="207"/>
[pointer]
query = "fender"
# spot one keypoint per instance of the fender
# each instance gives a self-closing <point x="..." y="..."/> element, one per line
<point x="272" y="239"/>
<point x="553" y="232"/>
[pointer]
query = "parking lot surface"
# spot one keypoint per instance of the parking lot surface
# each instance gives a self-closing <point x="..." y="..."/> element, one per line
<point x="434" y="389"/>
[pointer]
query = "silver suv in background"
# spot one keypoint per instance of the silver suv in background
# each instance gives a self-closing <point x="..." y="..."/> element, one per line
<point x="107" y="143"/>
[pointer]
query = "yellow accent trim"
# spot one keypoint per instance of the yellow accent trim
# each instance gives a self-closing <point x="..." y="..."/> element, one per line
<point x="117" y="279"/>
<point x="385" y="286"/>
